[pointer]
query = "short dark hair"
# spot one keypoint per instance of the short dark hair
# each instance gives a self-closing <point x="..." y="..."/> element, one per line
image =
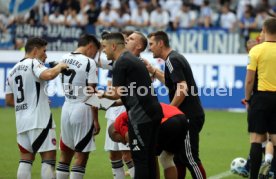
<point x="270" y="26"/>
<point x="143" y="39"/>
<point x="34" y="42"/>
<point x="88" y="38"/>
<point x="117" y="36"/>
<point x="160" y="35"/>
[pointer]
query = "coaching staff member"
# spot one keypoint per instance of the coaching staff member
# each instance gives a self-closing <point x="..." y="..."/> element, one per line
<point x="262" y="113"/>
<point x="144" y="110"/>
<point x="178" y="77"/>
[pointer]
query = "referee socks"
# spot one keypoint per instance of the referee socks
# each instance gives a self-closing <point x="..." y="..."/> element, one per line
<point x="256" y="159"/>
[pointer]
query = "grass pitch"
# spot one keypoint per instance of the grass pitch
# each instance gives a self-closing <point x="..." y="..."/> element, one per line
<point x="223" y="138"/>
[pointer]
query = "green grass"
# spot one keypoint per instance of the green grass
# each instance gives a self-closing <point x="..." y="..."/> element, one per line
<point x="223" y="138"/>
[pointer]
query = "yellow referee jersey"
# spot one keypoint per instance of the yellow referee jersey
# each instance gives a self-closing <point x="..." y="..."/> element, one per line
<point x="262" y="58"/>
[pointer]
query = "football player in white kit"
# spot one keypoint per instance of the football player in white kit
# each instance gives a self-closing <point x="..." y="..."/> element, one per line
<point x="79" y="122"/>
<point x="136" y="42"/>
<point x="25" y="87"/>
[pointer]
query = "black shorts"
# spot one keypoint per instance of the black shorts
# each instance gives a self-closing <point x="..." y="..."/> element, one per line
<point x="172" y="134"/>
<point x="262" y="113"/>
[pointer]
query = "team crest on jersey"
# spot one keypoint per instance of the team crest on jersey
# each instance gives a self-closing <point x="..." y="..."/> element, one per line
<point x="54" y="141"/>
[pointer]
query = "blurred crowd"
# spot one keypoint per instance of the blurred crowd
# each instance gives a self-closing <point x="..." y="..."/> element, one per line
<point x="234" y="15"/>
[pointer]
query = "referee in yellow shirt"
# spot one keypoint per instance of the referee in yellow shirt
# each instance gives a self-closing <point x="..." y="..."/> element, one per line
<point x="261" y="104"/>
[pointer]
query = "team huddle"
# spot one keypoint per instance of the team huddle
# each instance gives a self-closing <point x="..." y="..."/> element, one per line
<point x="149" y="128"/>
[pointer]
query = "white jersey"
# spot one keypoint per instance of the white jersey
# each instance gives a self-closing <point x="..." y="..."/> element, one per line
<point x="84" y="71"/>
<point x="31" y="102"/>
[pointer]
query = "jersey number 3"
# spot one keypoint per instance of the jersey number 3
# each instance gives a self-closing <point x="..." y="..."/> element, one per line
<point x="20" y="95"/>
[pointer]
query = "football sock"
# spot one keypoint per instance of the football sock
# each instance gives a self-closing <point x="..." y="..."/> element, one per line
<point x="130" y="166"/>
<point x="24" y="169"/>
<point x="62" y="171"/>
<point x="247" y="165"/>
<point x="273" y="163"/>
<point x="77" y="172"/>
<point x="48" y="169"/>
<point x="118" y="169"/>
<point x="256" y="159"/>
<point x="268" y="158"/>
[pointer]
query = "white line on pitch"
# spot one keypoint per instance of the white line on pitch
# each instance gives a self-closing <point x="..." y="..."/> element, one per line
<point x="220" y="175"/>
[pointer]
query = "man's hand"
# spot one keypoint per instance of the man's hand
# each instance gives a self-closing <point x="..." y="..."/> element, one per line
<point x="90" y="90"/>
<point x="150" y="68"/>
<point x="100" y="94"/>
<point x="126" y="138"/>
<point x="245" y="103"/>
<point x="97" y="127"/>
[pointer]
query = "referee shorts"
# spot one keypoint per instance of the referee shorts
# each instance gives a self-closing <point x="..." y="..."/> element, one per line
<point x="262" y="113"/>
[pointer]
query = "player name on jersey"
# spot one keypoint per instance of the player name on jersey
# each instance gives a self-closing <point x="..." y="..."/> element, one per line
<point x="21" y="107"/>
<point x="20" y="67"/>
<point x="73" y="62"/>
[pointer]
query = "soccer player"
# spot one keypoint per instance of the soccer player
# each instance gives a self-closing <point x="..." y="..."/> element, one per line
<point x="25" y="87"/>
<point x="79" y="122"/>
<point x="173" y="129"/>
<point x="260" y="104"/>
<point x="145" y="113"/>
<point x="178" y="77"/>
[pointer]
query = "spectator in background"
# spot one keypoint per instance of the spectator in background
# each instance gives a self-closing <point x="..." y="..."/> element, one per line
<point x="107" y="17"/>
<point x="114" y="4"/>
<point x="44" y="7"/>
<point x="205" y="18"/>
<point x="159" y="18"/>
<point x="76" y="19"/>
<point x="262" y="15"/>
<point x="124" y="18"/>
<point x="34" y="17"/>
<point x="66" y="4"/>
<point x="247" y="24"/>
<point x="242" y="7"/>
<point x="140" y="17"/>
<point x="172" y="7"/>
<point x="56" y="18"/>
<point x="185" y="18"/>
<point x="228" y="19"/>
<point x="133" y="4"/>
<point x="4" y="21"/>
<point x="54" y="4"/>
<point x="93" y="12"/>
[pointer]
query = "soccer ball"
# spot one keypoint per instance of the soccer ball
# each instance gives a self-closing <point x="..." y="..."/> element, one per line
<point x="237" y="163"/>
